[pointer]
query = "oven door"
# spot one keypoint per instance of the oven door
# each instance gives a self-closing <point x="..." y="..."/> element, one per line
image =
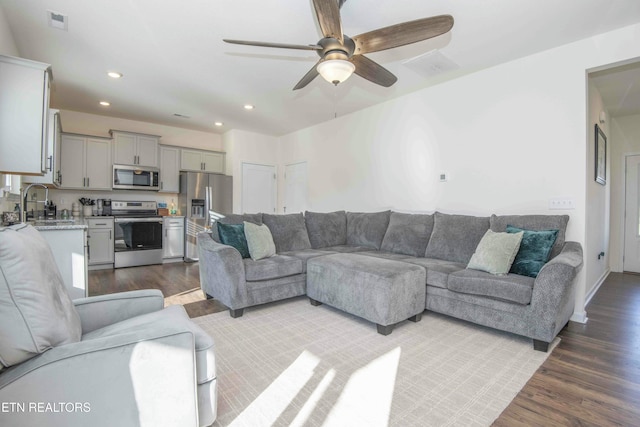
<point x="137" y="234"/>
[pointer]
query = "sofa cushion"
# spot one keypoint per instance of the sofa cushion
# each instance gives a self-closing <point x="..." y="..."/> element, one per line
<point x="233" y="235"/>
<point x="367" y="229"/>
<point x="534" y="252"/>
<point x="271" y="268"/>
<point x="437" y="270"/>
<point x="535" y="222"/>
<point x="289" y="231"/>
<point x="170" y="316"/>
<point x="259" y="241"/>
<point x="495" y="252"/>
<point x="510" y="287"/>
<point x="326" y="229"/>
<point x="407" y="233"/>
<point x="455" y="237"/>
<point x="235" y="219"/>
<point x="305" y="255"/>
<point x="36" y="312"/>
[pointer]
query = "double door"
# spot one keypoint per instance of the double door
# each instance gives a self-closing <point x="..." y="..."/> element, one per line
<point x="85" y="162"/>
<point x="135" y="149"/>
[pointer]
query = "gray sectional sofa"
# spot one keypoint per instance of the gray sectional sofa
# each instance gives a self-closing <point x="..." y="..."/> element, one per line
<point x="377" y="265"/>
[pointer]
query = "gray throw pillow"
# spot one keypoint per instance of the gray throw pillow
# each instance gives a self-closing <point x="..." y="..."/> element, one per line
<point x="408" y="234"/>
<point x="495" y="252"/>
<point x="259" y="241"/>
<point x="455" y="237"/>
<point x="367" y="229"/>
<point x="36" y="312"/>
<point x="289" y="232"/>
<point x="326" y="229"/>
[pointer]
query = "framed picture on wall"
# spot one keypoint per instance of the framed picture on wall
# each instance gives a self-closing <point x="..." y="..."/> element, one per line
<point x="601" y="156"/>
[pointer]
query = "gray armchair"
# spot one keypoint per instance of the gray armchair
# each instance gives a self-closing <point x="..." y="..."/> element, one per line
<point x="119" y="359"/>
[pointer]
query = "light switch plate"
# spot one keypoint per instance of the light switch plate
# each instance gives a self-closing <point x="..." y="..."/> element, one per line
<point x="561" y="203"/>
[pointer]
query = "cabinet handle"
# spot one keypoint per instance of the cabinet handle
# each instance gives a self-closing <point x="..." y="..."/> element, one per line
<point x="50" y="164"/>
<point x="109" y="234"/>
<point x="100" y="224"/>
<point x="87" y="181"/>
<point x="161" y="185"/>
<point x="84" y="181"/>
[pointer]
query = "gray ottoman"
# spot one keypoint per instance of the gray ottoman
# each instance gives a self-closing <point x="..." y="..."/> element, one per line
<point x="382" y="291"/>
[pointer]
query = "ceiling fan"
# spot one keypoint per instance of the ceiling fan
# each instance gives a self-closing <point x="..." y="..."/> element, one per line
<point x="341" y="55"/>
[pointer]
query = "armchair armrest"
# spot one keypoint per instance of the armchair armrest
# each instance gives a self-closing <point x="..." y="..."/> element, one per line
<point x="99" y="311"/>
<point x="147" y="377"/>
<point x="222" y="272"/>
<point x="552" y="301"/>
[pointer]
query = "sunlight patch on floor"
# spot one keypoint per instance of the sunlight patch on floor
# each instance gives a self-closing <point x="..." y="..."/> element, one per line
<point x="267" y="407"/>
<point x="313" y="400"/>
<point x="183" y="298"/>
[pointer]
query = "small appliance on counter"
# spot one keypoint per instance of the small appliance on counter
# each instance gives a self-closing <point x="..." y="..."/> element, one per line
<point x="50" y="210"/>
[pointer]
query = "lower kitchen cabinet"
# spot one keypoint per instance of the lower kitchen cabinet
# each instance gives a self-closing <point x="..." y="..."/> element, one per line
<point x="173" y="241"/>
<point x="68" y="245"/>
<point x="100" y="242"/>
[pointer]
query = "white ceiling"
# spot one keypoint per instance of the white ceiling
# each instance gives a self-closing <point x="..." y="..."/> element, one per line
<point x="174" y="61"/>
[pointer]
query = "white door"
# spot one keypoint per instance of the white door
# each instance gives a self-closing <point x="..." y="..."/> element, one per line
<point x="631" y="257"/>
<point x="258" y="188"/>
<point x="296" y="183"/>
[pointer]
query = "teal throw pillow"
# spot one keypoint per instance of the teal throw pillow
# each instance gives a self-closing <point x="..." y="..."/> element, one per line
<point x="233" y="235"/>
<point x="534" y="252"/>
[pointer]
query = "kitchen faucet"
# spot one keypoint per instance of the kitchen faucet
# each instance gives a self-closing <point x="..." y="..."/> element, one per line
<point x="24" y="200"/>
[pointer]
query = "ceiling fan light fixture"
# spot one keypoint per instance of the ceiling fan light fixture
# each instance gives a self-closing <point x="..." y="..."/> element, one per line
<point x="335" y="70"/>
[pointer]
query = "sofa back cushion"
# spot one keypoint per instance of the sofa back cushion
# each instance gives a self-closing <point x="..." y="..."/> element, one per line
<point x="289" y="232"/>
<point x="235" y="219"/>
<point x="36" y="312"/>
<point x="537" y="223"/>
<point x="326" y="229"/>
<point x="407" y="234"/>
<point x="455" y="237"/>
<point x="367" y="229"/>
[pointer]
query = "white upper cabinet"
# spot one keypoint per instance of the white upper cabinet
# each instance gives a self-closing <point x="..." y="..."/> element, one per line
<point x="169" y="169"/>
<point x="202" y="161"/>
<point x="85" y="162"/>
<point x="24" y="114"/>
<point x="52" y="174"/>
<point x="135" y="149"/>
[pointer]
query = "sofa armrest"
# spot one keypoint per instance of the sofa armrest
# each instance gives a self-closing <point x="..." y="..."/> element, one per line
<point x="99" y="311"/>
<point x="222" y="274"/>
<point x="553" y="296"/>
<point x="147" y="377"/>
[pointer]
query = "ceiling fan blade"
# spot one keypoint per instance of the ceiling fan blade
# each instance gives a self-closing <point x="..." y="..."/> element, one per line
<point x="278" y="45"/>
<point x="373" y="71"/>
<point x="402" y="34"/>
<point x="328" y="14"/>
<point x="308" y="78"/>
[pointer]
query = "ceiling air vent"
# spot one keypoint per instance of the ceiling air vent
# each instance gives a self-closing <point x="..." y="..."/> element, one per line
<point x="58" y="20"/>
<point x="182" y="116"/>
<point x="431" y="64"/>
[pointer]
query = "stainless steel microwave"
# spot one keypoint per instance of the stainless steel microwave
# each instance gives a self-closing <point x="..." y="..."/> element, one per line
<point x="127" y="177"/>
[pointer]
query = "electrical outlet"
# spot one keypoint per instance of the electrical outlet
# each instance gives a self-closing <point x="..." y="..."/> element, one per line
<point x="559" y="203"/>
<point x="444" y="177"/>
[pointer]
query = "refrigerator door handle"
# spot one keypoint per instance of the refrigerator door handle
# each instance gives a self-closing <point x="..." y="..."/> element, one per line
<point x="207" y="205"/>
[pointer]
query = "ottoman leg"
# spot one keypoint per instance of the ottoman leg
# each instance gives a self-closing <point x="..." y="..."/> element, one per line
<point x="416" y="318"/>
<point x="314" y="302"/>
<point x="238" y="312"/>
<point x="385" y="330"/>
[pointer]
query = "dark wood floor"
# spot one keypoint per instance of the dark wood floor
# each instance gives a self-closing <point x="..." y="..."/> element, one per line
<point x="592" y="378"/>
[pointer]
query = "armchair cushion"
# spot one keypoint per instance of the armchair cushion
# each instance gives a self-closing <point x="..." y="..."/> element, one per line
<point x="36" y="312"/>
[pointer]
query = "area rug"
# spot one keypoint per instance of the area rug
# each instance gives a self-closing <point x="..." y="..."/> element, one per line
<point x="290" y="363"/>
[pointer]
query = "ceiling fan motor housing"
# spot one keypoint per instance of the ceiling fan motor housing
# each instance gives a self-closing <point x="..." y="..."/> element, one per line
<point x="333" y="49"/>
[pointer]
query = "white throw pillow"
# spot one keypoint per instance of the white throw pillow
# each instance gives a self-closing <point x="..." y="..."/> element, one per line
<point x="259" y="240"/>
<point x="495" y="252"/>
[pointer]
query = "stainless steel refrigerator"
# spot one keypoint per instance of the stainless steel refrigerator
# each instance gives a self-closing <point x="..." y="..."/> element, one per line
<point x="199" y="193"/>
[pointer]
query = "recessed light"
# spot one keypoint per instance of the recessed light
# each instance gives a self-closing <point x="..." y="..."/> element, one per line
<point x="218" y="123"/>
<point x="105" y="103"/>
<point x="114" y="74"/>
<point x="249" y="107"/>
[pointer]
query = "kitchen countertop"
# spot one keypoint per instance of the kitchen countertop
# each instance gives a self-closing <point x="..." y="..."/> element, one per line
<point x="47" y="225"/>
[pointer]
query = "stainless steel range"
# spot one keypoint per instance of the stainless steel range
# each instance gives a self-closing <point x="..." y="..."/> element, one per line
<point x="138" y="233"/>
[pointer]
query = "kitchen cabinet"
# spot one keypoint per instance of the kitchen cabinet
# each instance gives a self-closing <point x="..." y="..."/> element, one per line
<point x="202" y="161"/>
<point x="173" y="241"/>
<point x="100" y="242"/>
<point x="135" y="149"/>
<point x="169" y="169"/>
<point x="68" y="245"/>
<point x="24" y="114"/>
<point x="52" y="174"/>
<point x="85" y="162"/>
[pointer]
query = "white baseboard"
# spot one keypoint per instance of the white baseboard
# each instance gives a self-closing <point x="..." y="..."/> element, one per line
<point x="581" y="316"/>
